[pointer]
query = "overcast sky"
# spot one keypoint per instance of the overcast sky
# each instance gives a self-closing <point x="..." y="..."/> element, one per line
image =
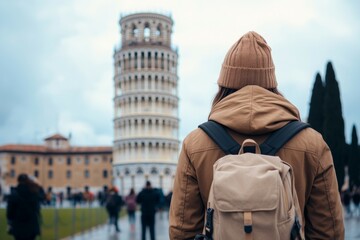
<point x="56" y="65"/>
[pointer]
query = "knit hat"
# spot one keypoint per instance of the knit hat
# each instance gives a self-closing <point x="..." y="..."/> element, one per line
<point x="248" y="62"/>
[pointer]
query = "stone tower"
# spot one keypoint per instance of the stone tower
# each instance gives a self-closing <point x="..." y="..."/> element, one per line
<point x="146" y="119"/>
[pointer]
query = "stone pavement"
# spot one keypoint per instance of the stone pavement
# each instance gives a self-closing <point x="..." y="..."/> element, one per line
<point x="106" y="232"/>
<point x="352" y="230"/>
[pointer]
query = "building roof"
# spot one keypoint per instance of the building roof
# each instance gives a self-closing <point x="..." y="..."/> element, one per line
<point x="41" y="149"/>
<point x="56" y="137"/>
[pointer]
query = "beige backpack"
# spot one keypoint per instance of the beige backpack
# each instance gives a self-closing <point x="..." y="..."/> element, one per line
<point x="252" y="195"/>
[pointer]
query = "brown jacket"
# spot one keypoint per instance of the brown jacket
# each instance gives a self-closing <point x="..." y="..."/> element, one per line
<point x="254" y="112"/>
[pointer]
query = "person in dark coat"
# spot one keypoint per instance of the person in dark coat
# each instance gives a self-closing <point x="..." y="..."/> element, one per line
<point x="23" y="209"/>
<point x="356" y="200"/>
<point x="346" y="202"/>
<point x="168" y="199"/>
<point x="149" y="199"/>
<point x="113" y="206"/>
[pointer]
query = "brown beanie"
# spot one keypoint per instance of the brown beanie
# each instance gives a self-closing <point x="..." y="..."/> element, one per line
<point x="248" y="62"/>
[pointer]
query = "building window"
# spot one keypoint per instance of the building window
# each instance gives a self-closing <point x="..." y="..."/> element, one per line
<point x="68" y="174"/>
<point x="86" y="160"/>
<point x="127" y="171"/>
<point x="167" y="171"/>
<point x="105" y="174"/>
<point x="36" y="173"/>
<point x="50" y="161"/>
<point x="50" y="174"/>
<point x="68" y="161"/>
<point x="147" y="32"/>
<point x="104" y="158"/>
<point x="139" y="171"/>
<point x="154" y="171"/>
<point x="86" y="174"/>
<point x="13" y="160"/>
<point x="12" y="173"/>
<point x="158" y="31"/>
<point x="36" y="161"/>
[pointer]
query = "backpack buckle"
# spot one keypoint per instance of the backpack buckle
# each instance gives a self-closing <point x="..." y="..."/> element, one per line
<point x="209" y="222"/>
<point x="248" y="222"/>
<point x="248" y="228"/>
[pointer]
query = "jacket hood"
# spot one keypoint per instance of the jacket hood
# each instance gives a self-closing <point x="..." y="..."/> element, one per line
<point x="254" y="110"/>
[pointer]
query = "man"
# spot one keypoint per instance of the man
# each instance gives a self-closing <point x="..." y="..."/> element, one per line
<point x="113" y="206"/>
<point x="249" y="104"/>
<point x="23" y="209"/>
<point x="149" y="199"/>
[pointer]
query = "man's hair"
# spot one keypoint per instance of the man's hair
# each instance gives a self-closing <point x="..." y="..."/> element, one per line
<point x="148" y="184"/>
<point x="23" y="178"/>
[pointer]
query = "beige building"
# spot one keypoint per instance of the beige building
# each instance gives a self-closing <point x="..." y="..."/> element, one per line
<point x="146" y="122"/>
<point x="57" y="164"/>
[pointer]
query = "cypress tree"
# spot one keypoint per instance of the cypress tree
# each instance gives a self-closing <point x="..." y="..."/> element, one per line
<point x="333" y="130"/>
<point x="316" y="113"/>
<point x="354" y="161"/>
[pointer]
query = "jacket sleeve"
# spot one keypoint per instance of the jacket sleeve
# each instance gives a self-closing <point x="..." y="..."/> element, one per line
<point x="139" y="198"/>
<point x="186" y="209"/>
<point x="323" y="210"/>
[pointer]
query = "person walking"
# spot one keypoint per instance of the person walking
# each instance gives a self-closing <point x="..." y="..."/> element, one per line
<point x="249" y="104"/>
<point x="149" y="200"/>
<point x="130" y="201"/>
<point x="356" y="200"/>
<point x="113" y="206"/>
<point x="23" y="209"/>
<point x="347" y="202"/>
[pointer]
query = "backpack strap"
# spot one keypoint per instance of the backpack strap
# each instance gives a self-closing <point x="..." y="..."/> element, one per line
<point x="221" y="137"/>
<point x="218" y="133"/>
<point x="278" y="139"/>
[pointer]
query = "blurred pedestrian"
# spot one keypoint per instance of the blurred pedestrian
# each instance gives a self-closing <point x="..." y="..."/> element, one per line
<point x="149" y="200"/>
<point x="113" y="206"/>
<point x="168" y="202"/>
<point x="346" y="202"/>
<point x="130" y="201"/>
<point x="168" y="199"/>
<point x="23" y="209"/>
<point x="61" y="198"/>
<point x="356" y="200"/>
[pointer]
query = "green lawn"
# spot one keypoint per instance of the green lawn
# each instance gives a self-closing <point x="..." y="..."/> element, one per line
<point x="69" y="221"/>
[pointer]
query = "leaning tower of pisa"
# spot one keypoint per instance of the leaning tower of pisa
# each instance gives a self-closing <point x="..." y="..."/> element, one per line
<point x="146" y="119"/>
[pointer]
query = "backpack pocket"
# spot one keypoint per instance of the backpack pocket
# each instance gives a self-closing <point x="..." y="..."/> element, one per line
<point x="246" y="189"/>
<point x="285" y="227"/>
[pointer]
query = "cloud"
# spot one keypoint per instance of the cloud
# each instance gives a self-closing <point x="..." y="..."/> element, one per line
<point x="56" y="58"/>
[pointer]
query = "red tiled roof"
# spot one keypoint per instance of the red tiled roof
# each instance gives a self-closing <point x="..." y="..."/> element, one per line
<point x="56" y="136"/>
<point x="43" y="149"/>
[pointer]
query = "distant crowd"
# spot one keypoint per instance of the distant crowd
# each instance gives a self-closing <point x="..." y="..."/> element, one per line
<point x="85" y="198"/>
<point x="25" y="200"/>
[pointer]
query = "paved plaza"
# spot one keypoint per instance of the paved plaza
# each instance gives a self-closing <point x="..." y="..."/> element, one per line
<point x="106" y="232"/>
<point x="352" y="226"/>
